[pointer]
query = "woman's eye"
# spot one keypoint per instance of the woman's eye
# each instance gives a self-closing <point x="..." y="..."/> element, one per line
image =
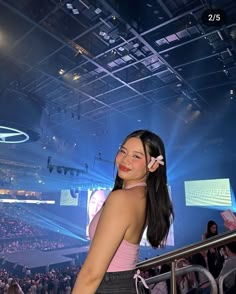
<point x="136" y="156"/>
<point x="122" y="151"/>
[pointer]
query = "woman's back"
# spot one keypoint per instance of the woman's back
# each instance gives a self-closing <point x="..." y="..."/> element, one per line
<point x="136" y="199"/>
<point x="126" y="255"/>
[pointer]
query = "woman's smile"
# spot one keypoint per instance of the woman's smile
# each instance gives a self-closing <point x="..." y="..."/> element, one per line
<point x="123" y="168"/>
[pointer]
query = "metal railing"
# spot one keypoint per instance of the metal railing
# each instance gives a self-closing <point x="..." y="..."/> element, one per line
<point x="185" y="270"/>
<point x="222" y="279"/>
<point x="186" y="251"/>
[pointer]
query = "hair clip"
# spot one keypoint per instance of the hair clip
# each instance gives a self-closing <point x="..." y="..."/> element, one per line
<point x="159" y="159"/>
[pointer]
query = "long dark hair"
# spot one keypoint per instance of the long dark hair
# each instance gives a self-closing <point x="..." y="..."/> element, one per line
<point x="159" y="207"/>
<point x="208" y="232"/>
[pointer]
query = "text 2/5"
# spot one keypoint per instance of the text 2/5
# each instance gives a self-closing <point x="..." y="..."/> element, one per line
<point x="213" y="17"/>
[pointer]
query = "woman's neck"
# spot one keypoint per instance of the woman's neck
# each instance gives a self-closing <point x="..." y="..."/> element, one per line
<point x="139" y="184"/>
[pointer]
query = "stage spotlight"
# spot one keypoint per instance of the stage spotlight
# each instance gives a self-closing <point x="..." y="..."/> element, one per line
<point x="75" y="11"/>
<point x="69" y="6"/>
<point x="195" y="114"/>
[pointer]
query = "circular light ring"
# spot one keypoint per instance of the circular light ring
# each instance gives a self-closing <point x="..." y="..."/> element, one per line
<point x="13" y="133"/>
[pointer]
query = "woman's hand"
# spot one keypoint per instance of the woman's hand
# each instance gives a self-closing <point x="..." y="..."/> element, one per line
<point x="230" y="225"/>
<point x="212" y="250"/>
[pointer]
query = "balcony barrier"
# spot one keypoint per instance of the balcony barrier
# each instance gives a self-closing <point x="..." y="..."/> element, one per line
<point x="173" y="256"/>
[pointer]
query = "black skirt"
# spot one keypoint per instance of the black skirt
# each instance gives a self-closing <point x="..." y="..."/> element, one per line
<point x="120" y="283"/>
<point x="117" y="282"/>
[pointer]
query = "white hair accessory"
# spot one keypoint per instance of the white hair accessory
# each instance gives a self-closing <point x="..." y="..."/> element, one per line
<point x="159" y="159"/>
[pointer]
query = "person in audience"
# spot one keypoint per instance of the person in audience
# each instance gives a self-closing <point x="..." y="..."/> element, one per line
<point x="187" y="281"/>
<point x="198" y="259"/>
<point x="139" y="198"/>
<point x="14" y="288"/>
<point x="229" y="264"/>
<point x="213" y="257"/>
<point x="211" y="231"/>
<point x="202" y="285"/>
<point x="162" y="287"/>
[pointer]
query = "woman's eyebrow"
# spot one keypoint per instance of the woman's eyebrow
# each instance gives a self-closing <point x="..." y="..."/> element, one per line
<point x="134" y="151"/>
<point x="139" y="152"/>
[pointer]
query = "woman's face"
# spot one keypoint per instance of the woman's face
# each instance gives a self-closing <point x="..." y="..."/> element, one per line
<point x="213" y="229"/>
<point x="95" y="203"/>
<point x="131" y="162"/>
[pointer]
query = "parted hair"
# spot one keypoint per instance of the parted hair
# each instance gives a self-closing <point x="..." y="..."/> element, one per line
<point x="208" y="233"/>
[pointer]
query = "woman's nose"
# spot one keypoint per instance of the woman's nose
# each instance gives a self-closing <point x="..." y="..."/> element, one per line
<point x="126" y="158"/>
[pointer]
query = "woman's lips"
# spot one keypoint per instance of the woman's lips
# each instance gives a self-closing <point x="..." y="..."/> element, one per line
<point x="123" y="168"/>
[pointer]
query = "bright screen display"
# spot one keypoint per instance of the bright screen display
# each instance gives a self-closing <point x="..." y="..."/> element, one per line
<point x="69" y="197"/>
<point x="95" y="200"/>
<point x="214" y="192"/>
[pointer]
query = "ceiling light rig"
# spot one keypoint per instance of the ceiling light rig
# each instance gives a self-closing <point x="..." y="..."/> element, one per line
<point x="76" y="77"/>
<point x="79" y="49"/>
<point x="231" y="94"/>
<point x="70" y="7"/>
<point x="61" y="71"/>
<point x="65" y="169"/>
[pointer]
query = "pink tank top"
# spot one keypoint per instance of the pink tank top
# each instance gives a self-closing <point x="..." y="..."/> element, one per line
<point x="126" y="255"/>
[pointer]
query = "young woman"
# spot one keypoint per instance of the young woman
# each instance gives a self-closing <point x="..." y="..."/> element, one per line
<point x="213" y="257"/>
<point x="139" y="198"/>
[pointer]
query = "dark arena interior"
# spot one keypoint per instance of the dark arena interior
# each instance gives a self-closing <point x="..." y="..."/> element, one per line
<point x="76" y="77"/>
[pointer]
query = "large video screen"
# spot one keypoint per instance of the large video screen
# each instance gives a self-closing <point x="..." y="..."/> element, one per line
<point x="95" y="200"/>
<point x="69" y="197"/>
<point x="214" y="192"/>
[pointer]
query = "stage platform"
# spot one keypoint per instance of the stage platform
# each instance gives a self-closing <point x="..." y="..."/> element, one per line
<point x="36" y="258"/>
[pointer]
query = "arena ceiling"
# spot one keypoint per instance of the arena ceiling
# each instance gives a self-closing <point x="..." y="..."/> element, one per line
<point x="77" y="76"/>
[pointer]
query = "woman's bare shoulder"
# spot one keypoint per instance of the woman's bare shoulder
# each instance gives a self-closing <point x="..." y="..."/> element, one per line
<point x="126" y="197"/>
<point x="118" y="195"/>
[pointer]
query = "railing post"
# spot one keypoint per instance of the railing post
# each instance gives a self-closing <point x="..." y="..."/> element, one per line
<point x="173" y="279"/>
